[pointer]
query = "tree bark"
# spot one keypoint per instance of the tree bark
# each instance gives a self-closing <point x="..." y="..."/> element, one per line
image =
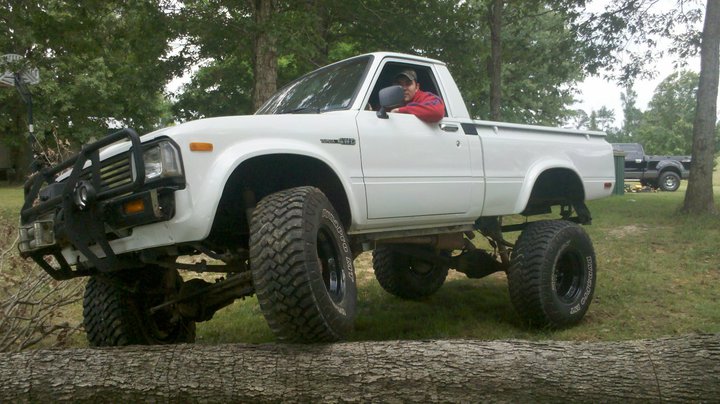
<point x="265" y="52"/>
<point x="495" y="65"/>
<point x="699" y="196"/>
<point x="674" y="369"/>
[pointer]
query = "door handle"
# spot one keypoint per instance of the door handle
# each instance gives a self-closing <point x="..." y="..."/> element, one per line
<point x="448" y="127"/>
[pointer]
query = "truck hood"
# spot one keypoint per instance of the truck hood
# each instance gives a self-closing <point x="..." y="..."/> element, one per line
<point x="235" y="127"/>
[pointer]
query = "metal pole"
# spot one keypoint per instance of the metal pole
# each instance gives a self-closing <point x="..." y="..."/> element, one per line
<point x="26" y="95"/>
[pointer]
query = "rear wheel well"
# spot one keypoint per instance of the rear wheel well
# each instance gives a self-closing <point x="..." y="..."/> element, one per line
<point x="261" y="176"/>
<point x="669" y="168"/>
<point x="556" y="186"/>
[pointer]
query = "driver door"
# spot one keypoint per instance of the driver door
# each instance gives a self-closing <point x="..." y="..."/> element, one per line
<point x="413" y="168"/>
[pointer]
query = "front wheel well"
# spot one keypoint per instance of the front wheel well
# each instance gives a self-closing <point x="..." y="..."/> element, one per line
<point x="556" y="186"/>
<point x="261" y="176"/>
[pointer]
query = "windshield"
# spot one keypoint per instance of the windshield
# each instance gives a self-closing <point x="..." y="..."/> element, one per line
<point x="330" y="88"/>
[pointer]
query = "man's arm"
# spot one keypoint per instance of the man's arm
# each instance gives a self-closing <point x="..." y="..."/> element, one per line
<point x="430" y="108"/>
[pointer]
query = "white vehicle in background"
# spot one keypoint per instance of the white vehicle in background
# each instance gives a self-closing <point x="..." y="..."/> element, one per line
<point x="284" y="200"/>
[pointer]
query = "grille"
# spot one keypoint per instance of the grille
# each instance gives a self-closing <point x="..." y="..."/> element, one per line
<point x="114" y="172"/>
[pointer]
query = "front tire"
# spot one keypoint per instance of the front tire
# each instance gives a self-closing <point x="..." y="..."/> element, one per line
<point x="405" y="276"/>
<point x="116" y="309"/>
<point x="302" y="266"/>
<point x="552" y="274"/>
<point x="669" y="181"/>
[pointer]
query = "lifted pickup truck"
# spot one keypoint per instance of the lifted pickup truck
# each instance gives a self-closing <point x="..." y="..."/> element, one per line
<point x="284" y="200"/>
<point x="664" y="172"/>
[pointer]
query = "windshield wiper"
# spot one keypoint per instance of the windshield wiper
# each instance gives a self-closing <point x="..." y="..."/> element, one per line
<point x="302" y="110"/>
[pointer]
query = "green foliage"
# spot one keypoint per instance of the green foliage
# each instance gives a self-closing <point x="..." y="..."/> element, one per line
<point x="542" y="58"/>
<point x="633" y="116"/>
<point x="622" y="38"/>
<point x="542" y="62"/>
<point x="218" y="36"/>
<point x="602" y="119"/>
<point x="667" y="126"/>
<point x="102" y="64"/>
<point x="577" y="119"/>
<point x="224" y="87"/>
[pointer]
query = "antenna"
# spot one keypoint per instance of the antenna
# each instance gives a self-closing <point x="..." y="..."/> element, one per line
<point x="16" y="72"/>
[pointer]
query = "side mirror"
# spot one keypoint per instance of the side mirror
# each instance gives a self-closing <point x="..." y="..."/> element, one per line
<point x="390" y="97"/>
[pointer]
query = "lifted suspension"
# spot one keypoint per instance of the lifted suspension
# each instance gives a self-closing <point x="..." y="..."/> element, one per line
<point x="199" y="300"/>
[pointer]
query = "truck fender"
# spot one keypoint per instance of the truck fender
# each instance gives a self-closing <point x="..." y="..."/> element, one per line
<point x="673" y="165"/>
<point x="536" y="170"/>
<point x="210" y="185"/>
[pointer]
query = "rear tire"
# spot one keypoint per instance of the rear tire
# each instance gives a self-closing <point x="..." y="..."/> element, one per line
<point x="302" y="266"/>
<point x="405" y="276"/>
<point x="115" y="316"/>
<point x="552" y="274"/>
<point x="669" y="181"/>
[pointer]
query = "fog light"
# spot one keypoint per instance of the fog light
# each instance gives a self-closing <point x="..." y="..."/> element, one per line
<point x="84" y="195"/>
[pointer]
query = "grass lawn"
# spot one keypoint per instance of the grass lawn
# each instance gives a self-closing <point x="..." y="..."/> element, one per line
<point x="658" y="275"/>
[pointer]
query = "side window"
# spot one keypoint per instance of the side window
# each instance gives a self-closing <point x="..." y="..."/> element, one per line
<point x="632" y="151"/>
<point x="426" y="78"/>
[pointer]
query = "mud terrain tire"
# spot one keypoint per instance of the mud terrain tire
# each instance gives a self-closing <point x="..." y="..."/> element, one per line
<point x="116" y="309"/>
<point x="302" y="266"/>
<point x="552" y="274"/>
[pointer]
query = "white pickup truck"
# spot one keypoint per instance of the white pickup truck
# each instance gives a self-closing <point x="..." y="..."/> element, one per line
<point x="284" y="200"/>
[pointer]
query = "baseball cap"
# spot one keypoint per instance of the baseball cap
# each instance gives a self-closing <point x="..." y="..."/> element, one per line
<point x="407" y="73"/>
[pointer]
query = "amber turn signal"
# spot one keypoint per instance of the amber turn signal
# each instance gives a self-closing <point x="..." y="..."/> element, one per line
<point x="135" y="206"/>
<point x="200" y="146"/>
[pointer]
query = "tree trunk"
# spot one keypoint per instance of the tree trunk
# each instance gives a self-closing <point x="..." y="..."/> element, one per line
<point x="265" y="52"/>
<point x="495" y="65"/>
<point x="699" y="196"/>
<point x="21" y="155"/>
<point x="675" y="369"/>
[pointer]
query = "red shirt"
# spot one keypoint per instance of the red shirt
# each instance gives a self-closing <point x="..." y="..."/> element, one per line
<point x="426" y="106"/>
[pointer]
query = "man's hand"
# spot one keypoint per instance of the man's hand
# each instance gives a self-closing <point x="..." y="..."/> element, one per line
<point x="395" y="110"/>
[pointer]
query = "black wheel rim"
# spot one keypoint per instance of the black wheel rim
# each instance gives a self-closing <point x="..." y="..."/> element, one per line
<point x="568" y="277"/>
<point x="420" y="268"/>
<point x="330" y="265"/>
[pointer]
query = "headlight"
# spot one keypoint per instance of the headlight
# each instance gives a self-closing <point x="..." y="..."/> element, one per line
<point x="162" y="160"/>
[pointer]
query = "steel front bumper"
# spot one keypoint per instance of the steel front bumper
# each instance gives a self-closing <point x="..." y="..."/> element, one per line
<point x="96" y="202"/>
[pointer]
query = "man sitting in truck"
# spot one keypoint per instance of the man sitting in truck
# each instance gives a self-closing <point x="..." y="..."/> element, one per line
<point x="425" y="105"/>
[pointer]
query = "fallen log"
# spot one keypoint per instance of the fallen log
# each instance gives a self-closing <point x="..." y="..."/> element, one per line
<point x="672" y="369"/>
